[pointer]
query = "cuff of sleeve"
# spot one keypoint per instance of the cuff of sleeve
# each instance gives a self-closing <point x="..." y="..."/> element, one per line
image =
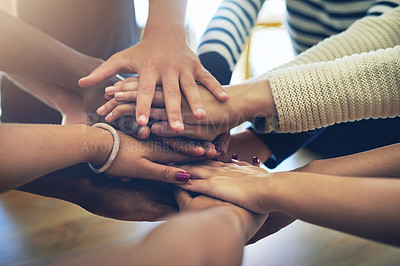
<point x="283" y="145"/>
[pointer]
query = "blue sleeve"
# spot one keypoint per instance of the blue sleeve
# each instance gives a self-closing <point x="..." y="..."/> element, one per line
<point x="283" y="145"/>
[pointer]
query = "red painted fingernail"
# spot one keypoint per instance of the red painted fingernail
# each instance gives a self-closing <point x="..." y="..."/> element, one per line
<point x="255" y="161"/>
<point x="182" y="176"/>
<point x="235" y="157"/>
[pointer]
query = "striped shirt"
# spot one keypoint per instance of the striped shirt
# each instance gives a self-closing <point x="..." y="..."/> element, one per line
<point x="311" y="21"/>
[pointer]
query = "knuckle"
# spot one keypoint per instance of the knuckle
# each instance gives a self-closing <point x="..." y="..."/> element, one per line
<point x="165" y="174"/>
<point x="173" y="91"/>
<point x="146" y="87"/>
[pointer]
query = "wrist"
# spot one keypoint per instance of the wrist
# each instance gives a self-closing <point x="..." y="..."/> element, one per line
<point x="252" y="99"/>
<point x="98" y="143"/>
<point x="273" y="191"/>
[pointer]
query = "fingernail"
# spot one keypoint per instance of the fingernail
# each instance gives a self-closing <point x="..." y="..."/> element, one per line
<point x="224" y="94"/>
<point x="157" y="129"/>
<point x="141" y="131"/>
<point x="182" y="176"/>
<point x="255" y="161"/>
<point x="200" y="111"/>
<point x="101" y="110"/>
<point x="178" y="124"/>
<point x="142" y="119"/>
<point x="119" y="95"/>
<point x="109" y="117"/>
<point x="235" y="157"/>
<point x="110" y="89"/>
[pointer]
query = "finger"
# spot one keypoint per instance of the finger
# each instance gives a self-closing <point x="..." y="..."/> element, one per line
<point x="109" y="91"/>
<point x="131" y="96"/>
<point x="222" y="143"/>
<point x="256" y="162"/>
<point x="240" y="163"/>
<point x="208" y="81"/>
<point x="182" y="198"/>
<point x="108" y="97"/>
<point x="192" y="94"/>
<point x="191" y="131"/>
<point x="121" y="110"/>
<point x="129" y="84"/>
<point x="146" y="89"/>
<point x="187" y="147"/>
<point x="107" y="107"/>
<point x="172" y="97"/>
<point x="112" y="66"/>
<point x="128" y="125"/>
<point x="210" y="151"/>
<point x="163" y="173"/>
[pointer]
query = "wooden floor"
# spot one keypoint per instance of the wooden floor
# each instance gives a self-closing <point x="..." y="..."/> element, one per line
<point x="35" y="230"/>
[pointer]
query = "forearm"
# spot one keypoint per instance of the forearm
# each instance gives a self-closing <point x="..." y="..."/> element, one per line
<point x="31" y="151"/>
<point x="383" y="162"/>
<point x="56" y="97"/>
<point x="166" y="18"/>
<point x="366" y="207"/>
<point x="24" y="50"/>
<point x="216" y="237"/>
<point x="138" y="200"/>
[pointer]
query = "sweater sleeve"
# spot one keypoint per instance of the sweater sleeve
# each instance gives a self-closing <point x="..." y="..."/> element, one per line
<point x="352" y="88"/>
<point x="314" y="90"/>
<point x="367" y="34"/>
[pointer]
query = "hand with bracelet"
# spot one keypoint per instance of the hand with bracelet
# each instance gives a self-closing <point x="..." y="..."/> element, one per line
<point x="54" y="147"/>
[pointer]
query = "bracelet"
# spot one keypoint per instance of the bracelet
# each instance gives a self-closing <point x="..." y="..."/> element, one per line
<point x="114" y="151"/>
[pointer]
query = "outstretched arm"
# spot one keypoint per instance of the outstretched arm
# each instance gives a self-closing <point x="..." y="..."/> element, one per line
<point x="208" y="232"/>
<point x="364" y="206"/>
<point x="26" y="51"/>
<point x="30" y="151"/>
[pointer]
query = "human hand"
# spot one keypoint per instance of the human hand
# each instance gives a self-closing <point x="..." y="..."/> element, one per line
<point x="238" y="182"/>
<point x="148" y="160"/>
<point x="93" y="97"/>
<point x="176" y="68"/>
<point x="250" y="222"/>
<point x="138" y="200"/>
<point x="244" y="146"/>
<point x="220" y="118"/>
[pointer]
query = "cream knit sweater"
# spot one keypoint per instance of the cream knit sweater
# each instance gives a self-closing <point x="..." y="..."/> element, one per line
<point x="351" y="76"/>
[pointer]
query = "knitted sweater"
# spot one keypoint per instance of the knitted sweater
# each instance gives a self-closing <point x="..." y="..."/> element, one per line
<point x="351" y="76"/>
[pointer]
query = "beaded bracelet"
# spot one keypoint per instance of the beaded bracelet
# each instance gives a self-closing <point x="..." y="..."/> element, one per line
<point x="114" y="151"/>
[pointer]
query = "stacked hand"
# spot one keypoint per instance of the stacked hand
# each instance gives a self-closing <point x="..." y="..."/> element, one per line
<point x="178" y="69"/>
<point x="220" y="118"/>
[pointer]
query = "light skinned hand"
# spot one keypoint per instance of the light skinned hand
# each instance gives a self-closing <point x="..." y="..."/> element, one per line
<point x="238" y="182"/>
<point x="250" y="221"/>
<point x="220" y="118"/>
<point x="148" y="160"/>
<point x="177" y="68"/>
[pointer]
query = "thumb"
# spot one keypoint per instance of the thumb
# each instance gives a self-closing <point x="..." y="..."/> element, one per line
<point x="106" y="70"/>
<point x="182" y="197"/>
<point x="164" y="173"/>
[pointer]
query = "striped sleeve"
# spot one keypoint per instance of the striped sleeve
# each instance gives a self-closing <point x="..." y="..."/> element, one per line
<point x="311" y="21"/>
